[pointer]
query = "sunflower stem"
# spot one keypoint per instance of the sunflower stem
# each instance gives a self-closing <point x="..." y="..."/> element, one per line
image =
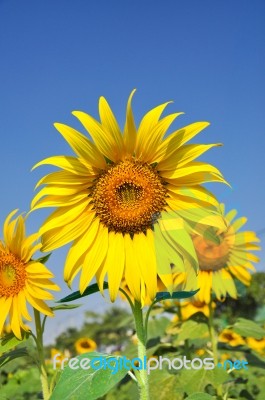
<point x="42" y="366"/>
<point x="141" y="335"/>
<point x="214" y="345"/>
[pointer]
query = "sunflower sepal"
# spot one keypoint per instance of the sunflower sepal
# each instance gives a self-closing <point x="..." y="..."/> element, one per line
<point x="43" y="259"/>
<point x="65" y="307"/>
<point x="91" y="289"/>
<point x="183" y="294"/>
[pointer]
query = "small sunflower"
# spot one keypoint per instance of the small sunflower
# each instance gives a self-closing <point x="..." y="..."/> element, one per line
<point x="85" y="345"/>
<point x="22" y="279"/>
<point x="223" y="256"/>
<point x="256" y="344"/>
<point x="189" y="308"/>
<point x="121" y="200"/>
<point x="230" y="337"/>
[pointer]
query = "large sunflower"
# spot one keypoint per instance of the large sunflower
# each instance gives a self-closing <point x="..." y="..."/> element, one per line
<point x="22" y="279"/>
<point x="114" y="198"/>
<point x="223" y="256"/>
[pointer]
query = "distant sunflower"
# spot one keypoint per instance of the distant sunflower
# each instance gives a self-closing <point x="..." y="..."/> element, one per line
<point x="113" y="200"/>
<point x="232" y="338"/>
<point x="189" y="308"/>
<point x="224" y="256"/>
<point x="85" y="345"/>
<point x="256" y="344"/>
<point x="22" y="279"/>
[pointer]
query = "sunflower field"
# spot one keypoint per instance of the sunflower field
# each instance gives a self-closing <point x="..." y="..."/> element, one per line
<point x="143" y="230"/>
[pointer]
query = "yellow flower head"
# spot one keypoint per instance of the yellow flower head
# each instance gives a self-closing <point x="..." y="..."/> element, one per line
<point x="189" y="308"/>
<point x="122" y="198"/>
<point x="22" y="279"/>
<point x="256" y="344"/>
<point x="230" y="337"/>
<point x="224" y="255"/>
<point x="85" y="345"/>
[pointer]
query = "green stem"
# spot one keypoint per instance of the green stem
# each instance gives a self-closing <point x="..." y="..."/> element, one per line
<point x="42" y="366"/>
<point x="141" y="335"/>
<point x="214" y="345"/>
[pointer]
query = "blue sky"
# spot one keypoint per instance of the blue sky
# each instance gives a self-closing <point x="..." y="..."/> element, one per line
<point x="207" y="56"/>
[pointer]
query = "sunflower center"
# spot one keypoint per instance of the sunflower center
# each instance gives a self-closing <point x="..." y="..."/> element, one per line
<point x="12" y="275"/>
<point x="129" y="197"/>
<point x="85" y="345"/>
<point x="211" y="256"/>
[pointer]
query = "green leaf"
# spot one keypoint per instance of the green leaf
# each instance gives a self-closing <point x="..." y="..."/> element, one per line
<point x="191" y="381"/>
<point x="163" y="386"/>
<point x="192" y="330"/>
<point x="75" y="384"/>
<point x="10" y="341"/>
<point x="248" y="328"/>
<point x="5" y="358"/>
<point x="65" y="307"/>
<point x="44" y="259"/>
<point x="175" y="295"/>
<point x="199" y="396"/>
<point x="77" y="295"/>
<point x="157" y="327"/>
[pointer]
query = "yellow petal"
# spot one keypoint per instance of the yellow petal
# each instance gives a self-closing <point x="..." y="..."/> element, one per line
<point x="103" y="139"/>
<point x="184" y="155"/>
<point x="115" y="264"/>
<point x="9" y="227"/>
<point x="132" y="272"/>
<point x="57" y="191"/>
<point x="43" y="283"/>
<point x="147" y="124"/>
<point x="63" y="216"/>
<point x="144" y="249"/>
<point x="23" y="306"/>
<point x="59" y="201"/>
<point x="82" y="146"/>
<point x="5" y="304"/>
<point x="58" y="237"/>
<point x="61" y="178"/>
<point x="151" y="142"/>
<point x="129" y="128"/>
<point x="38" y="304"/>
<point x="95" y="255"/>
<point x="68" y="163"/>
<point x="177" y="139"/>
<point x="238" y="223"/>
<point x="14" y="318"/>
<point x="79" y="249"/>
<point x="110" y="124"/>
<point x="37" y="292"/>
<point x="37" y="268"/>
<point x="196" y="193"/>
<point x="189" y="169"/>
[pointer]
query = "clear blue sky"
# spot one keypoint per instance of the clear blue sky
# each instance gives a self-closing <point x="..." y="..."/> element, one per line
<point x="59" y="56"/>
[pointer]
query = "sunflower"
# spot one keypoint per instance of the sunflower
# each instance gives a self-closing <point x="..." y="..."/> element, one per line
<point x="224" y="256"/>
<point x="189" y="308"/>
<point x="85" y="345"/>
<point x="230" y="337"/>
<point x="121" y="200"/>
<point x="22" y="279"/>
<point x="256" y="344"/>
